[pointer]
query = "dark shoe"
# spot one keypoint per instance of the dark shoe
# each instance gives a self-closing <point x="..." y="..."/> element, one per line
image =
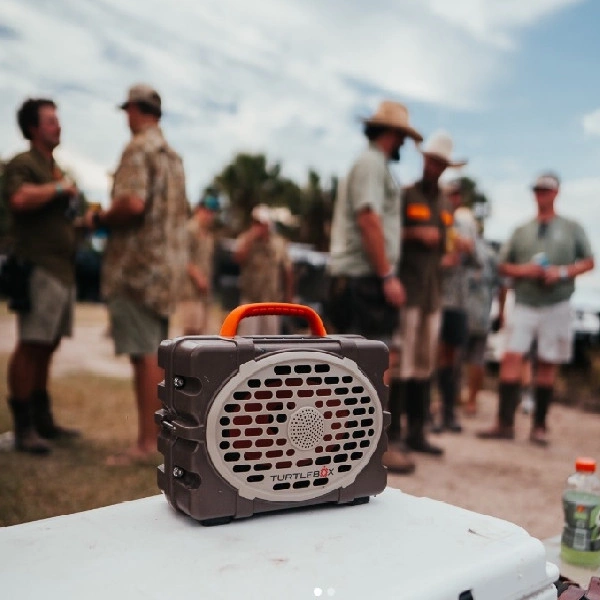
<point x="437" y="428"/>
<point x="398" y="462"/>
<point x="26" y="437"/>
<point x="539" y="436"/>
<point x="498" y="432"/>
<point x="44" y="421"/>
<point x="56" y="432"/>
<point x="453" y="427"/>
<point x="422" y="445"/>
<point x="29" y="441"/>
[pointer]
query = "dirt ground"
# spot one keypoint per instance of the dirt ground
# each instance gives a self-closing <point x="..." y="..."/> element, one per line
<point x="513" y="480"/>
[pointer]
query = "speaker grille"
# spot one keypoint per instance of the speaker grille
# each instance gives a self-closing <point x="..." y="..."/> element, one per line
<point x="293" y="425"/>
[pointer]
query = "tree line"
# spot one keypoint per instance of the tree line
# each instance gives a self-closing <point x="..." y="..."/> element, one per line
<point x="251" y="179"/>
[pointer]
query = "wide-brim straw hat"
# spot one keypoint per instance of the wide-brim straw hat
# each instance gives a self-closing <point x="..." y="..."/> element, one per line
<point x="439" y="145"/>
<point x="395" y="116"/>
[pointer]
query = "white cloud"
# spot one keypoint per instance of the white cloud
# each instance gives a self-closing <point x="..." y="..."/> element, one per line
<point x="285" y="78"/>
<point x="492" y="22"/>
<point x="591" y="123"/>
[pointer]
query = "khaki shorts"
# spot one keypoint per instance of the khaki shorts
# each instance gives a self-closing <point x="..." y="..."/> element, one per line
<point x="136" y="330"/>
<point x="51" y="314"/>
<point x="194" y="316"/>
<point x="417" y="340"/>
<point x="549" y="325"/>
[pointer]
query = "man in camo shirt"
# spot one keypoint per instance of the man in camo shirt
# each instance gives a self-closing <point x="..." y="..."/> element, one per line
<point x="146" y="253"/>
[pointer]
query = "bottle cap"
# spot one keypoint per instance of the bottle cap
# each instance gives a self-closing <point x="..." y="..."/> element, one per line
<point x="585" y="464"/>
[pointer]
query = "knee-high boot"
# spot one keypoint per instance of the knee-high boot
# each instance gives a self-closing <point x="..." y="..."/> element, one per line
<point x="395" y="406"/>
<point x="44" y="420"/>
<point x="543" y="399"/>
<point x="26" y="437"/>
<point x="448" y="383"/>
<point x="417" y="393"/>
<point x="509" y="395"/>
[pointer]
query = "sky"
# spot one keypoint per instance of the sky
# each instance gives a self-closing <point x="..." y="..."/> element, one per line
<point x="514" y="82"/>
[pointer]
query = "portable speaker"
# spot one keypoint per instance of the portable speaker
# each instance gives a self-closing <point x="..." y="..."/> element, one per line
<point x="264" y="423"/>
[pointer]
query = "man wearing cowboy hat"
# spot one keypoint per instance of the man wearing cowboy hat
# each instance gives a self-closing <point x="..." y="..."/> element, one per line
<point x="543" y="257"/>
<point x="424" y="232"/>
<point x="365" y="239"/>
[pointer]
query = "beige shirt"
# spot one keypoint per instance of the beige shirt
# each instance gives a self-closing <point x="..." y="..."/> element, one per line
<point x="262" y="273"/>
<point x="145" y="261"/>
<point x="368" y="185"/>
<point x="201" y="252"/>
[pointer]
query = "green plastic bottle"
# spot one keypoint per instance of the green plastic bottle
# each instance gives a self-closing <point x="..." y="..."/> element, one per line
<point x="580" y="543"/>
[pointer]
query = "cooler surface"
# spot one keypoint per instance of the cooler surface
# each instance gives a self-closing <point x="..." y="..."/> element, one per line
<point x="397" y="546"/>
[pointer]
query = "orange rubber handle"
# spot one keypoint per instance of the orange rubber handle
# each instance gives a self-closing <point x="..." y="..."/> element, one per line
<point x="231" y="322"/>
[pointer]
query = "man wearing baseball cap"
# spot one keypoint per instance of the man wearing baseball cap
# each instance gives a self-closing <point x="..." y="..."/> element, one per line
<point x="543" y="257"/>
<point x="146" y="254"/>
<point x="196" y="292"/>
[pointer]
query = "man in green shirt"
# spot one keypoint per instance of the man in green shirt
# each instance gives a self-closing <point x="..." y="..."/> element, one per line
<point x="543" y="257"/>
<point x="40" y="200"/>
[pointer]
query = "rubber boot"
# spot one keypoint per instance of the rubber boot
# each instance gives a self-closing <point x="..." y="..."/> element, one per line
<point x="44" y="420"/>
<point x="417" y="394"/>
<point x="509" y="396"/>
<point x="396" y="395"/>
<point x="26" y="437"/>
<point x="447" y="380"/>
<point x="543" y="399"/>
<point x="396" y="458"/>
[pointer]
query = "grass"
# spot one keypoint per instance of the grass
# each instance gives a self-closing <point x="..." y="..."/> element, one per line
<point x="74" y="477"/>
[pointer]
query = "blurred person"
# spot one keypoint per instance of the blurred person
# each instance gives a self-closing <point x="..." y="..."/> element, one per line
<point x="40" y="199"/>
<point x="145" y="256"/>
<point x="424" y="232"/>
<point x="194" y="303"/>
<point x="265" y="271"/>
<point x="483" y="285"/>
<point x="460" y="255"/>
<point x="365" y="292"/>
<point x="543" y="257"/>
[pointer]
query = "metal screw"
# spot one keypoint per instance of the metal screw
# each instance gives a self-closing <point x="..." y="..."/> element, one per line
<point x="178" y="472"/>
<point x="178" y="382"/>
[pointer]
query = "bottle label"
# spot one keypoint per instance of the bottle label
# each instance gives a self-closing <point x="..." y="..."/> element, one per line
<point x="582" y="521"/>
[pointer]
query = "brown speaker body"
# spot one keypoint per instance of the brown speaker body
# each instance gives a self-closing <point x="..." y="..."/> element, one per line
<point x="266" y="423"/>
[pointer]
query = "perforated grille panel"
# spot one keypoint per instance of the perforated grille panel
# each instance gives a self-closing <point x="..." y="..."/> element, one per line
<point x="294" y="425"/>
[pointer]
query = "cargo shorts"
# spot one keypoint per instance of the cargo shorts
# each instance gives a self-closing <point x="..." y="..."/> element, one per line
<point x="136" y="330"/>
<point x="52" y="308"/>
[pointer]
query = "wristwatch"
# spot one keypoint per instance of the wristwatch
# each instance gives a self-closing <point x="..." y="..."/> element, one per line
<point x="388" y="275"/>
<point x="563" y="272"/>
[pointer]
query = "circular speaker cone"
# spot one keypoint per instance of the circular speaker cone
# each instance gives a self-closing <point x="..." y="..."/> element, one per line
<point x="293" y="425"/>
